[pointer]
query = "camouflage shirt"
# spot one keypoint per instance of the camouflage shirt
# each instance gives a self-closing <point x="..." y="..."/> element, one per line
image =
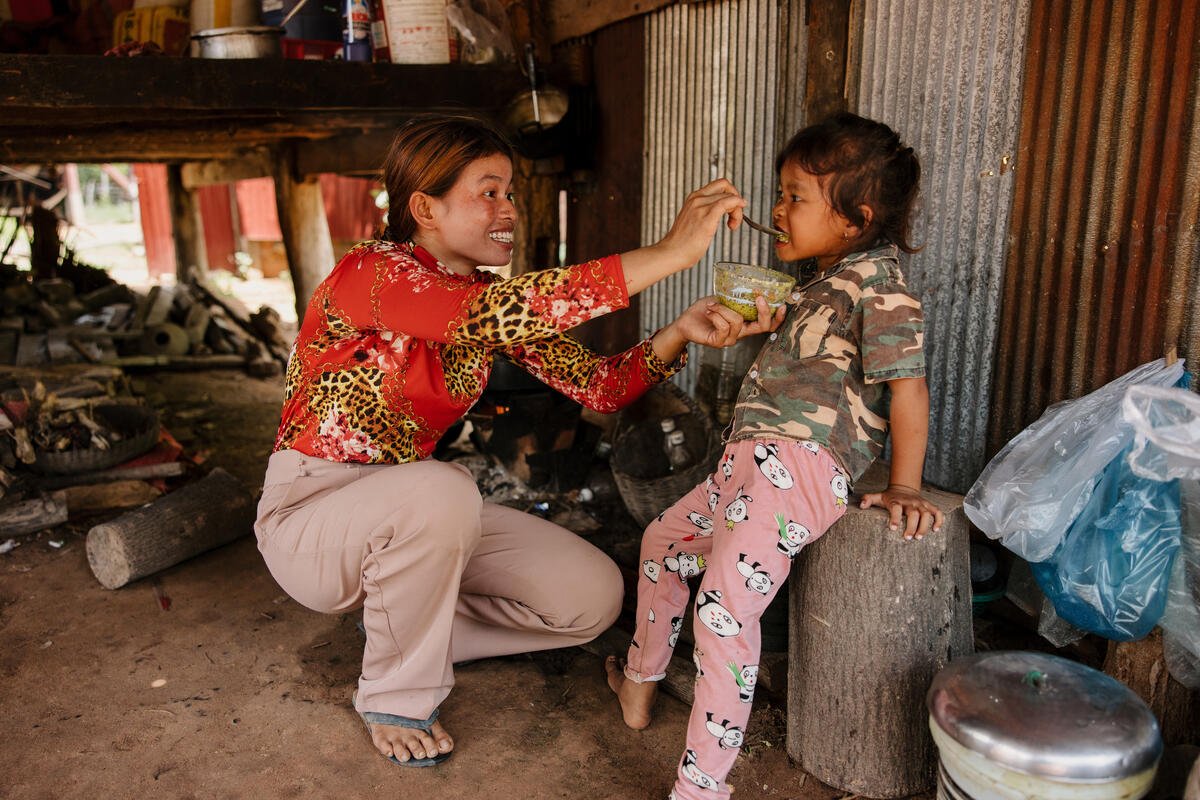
<point x="821" y="377"/>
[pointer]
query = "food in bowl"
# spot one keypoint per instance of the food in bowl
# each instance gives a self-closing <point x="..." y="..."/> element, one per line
<point x="737" y="285"/>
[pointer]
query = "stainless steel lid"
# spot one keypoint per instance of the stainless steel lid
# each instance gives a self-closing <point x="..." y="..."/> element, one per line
<point x="1043" y="715"/>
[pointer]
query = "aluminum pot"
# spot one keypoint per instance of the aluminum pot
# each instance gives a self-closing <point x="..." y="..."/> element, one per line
<point x="1017" y="725"/>
<point x="259" y="41"/>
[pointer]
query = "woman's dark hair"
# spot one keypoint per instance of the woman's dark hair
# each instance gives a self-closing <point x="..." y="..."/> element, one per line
<point x="427" y="154"/>
<point x="860" y="162"/>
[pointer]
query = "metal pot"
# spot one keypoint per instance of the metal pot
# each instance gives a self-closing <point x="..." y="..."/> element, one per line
<point x="1015" y="725"/>
<point x="260" y="41"/>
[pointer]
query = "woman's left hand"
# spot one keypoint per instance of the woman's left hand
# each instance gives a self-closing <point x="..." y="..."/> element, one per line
<point x="709" y="323"/>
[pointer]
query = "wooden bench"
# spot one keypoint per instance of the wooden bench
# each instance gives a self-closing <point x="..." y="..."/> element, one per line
<point x="872" y="618"/>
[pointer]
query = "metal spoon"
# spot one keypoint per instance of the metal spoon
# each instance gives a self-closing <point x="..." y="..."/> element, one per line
<point x="778" y="234"/>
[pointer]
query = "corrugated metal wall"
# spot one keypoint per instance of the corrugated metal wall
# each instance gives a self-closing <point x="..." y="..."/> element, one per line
<point x="724" y="90"/>
<point x="946" y="75"/>
<point x="1102" y="269"/>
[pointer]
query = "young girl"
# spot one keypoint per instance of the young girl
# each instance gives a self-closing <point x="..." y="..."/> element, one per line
<point x="395" y="346"/>
<point x="812" y="414"/>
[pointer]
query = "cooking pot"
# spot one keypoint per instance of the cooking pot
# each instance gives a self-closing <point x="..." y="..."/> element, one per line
<point x="258" y="41"/>
<point x="1012" y="725"/>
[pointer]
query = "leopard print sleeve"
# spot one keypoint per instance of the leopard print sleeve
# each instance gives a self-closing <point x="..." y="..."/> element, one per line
<point x="539" y="304"/>
<point x="602" y="383"/>
<point x="411" y="297"/>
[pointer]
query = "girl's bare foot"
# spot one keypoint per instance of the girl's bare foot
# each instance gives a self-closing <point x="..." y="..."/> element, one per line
<point x="637" y="699"/>
<point x="405" y="743"/>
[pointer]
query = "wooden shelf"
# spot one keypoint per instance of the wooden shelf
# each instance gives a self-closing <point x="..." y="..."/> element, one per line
<point x="160" y="108"/>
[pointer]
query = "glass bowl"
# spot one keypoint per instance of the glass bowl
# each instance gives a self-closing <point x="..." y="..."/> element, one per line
<point x="737" y="285"/>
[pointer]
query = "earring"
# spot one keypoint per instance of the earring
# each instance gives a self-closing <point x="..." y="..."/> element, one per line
<point x="846" y="235"/>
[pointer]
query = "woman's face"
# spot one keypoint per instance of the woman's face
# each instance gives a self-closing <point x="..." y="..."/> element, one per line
<point x="472" y="224"/>
<point x="802" y="211"/>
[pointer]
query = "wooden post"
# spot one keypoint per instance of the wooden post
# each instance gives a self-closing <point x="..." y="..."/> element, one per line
<point x="305" y="230"/>
<point x="190" y="259"/>
<point x="211" y="512"/>
<point x="1142" y="667"/>
<point x="828" y="45"/>
<point x="44" y="249"/>
<point x="873" y="618"/>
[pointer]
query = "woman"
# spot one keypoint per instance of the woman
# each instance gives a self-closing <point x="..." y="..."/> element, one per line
<point x="395" y="347"/>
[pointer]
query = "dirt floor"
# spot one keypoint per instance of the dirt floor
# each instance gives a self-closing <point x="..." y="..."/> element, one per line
<point x="207" y="681"/>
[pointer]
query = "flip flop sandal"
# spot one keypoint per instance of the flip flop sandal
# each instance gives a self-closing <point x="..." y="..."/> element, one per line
<point x="370" y="718"/>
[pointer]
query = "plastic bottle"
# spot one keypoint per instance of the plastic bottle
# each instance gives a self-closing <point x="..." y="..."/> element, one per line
<point x="356" y="42"/>
<point x="674" y="445"/>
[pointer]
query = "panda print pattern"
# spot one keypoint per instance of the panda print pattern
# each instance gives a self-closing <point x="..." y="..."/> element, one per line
<point x="772" y="497"/>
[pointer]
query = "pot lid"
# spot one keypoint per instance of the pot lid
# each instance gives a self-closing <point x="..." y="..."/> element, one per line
<point x="1046" y="716"/>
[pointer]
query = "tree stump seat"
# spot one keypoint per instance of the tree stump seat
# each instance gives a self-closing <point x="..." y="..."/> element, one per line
<point x="872" y="618"/>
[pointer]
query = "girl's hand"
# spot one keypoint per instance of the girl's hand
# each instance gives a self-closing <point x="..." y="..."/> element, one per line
<point x="901" y="501"/>
<point x="696" y="224"/>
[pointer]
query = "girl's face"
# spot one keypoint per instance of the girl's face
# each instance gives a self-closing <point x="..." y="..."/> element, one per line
<point x="472" y="224"/>
<point x="814" y="229"/>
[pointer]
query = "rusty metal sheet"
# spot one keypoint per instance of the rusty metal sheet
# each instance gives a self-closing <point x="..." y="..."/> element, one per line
<point x="1101" y="268"/>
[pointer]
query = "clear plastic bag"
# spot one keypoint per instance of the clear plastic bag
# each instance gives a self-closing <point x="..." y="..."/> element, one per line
<point x="483" y="27"/>
<point x="1034" y="488"/>
<point x="1109" y="575"/>
<point x="1166" y="446"/>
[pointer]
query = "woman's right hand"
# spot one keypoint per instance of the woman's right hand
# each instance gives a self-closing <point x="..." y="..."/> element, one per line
<point x="689" y="237"/>
<point x="696" y="224"/>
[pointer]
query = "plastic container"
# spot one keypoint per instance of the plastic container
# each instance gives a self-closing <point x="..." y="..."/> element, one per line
<point x="675" y="445"/>
<point x="737" y="286"/>
<point x="1015" y="725"/>
<point x="356" y="35"/>
<point x="418" y="32"/>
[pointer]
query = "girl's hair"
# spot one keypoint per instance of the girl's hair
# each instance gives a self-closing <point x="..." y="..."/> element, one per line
<point x="427" y="154"/>
<point x="861" y="162"/>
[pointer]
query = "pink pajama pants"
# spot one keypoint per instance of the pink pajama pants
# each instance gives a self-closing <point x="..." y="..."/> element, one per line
<point x="440" y="575"/>
<point x="741" y="529"/>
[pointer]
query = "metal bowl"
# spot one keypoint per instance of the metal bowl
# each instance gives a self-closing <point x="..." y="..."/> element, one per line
<point x="259" y="41"/>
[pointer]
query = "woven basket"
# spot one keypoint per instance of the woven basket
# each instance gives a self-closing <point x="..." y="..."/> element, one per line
<point x="638" y="463"/>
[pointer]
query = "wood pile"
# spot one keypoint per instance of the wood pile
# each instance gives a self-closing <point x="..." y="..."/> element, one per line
<point x="82" y="315"/>
<point x="76" y="444"/>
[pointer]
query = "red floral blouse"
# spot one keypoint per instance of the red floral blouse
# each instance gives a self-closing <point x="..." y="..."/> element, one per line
<point x="395" y="348"/>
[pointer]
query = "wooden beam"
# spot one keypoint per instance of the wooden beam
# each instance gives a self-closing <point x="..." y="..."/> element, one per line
<point x="358" y="154"/>
<point x="257" y="163"/>
<point x="569" y="19"/>
<point x="828" y="48"/>
<point x="305" y="230"/>
<point x="71" y="83"/>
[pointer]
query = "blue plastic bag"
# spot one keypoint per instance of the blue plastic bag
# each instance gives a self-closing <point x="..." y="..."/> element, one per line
<point x="1109" y="575"/>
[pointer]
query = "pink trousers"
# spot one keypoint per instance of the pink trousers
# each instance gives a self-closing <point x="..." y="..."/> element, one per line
<point x="741" y="529"/>
<point x="440" y="575"/>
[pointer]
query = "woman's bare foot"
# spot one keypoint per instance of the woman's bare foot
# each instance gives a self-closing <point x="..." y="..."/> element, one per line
<point x="405" y="743"/>
<point x="637" y="699"/>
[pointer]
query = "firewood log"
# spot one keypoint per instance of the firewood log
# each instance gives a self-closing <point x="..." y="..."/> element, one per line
<point x="199" y="517"/>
